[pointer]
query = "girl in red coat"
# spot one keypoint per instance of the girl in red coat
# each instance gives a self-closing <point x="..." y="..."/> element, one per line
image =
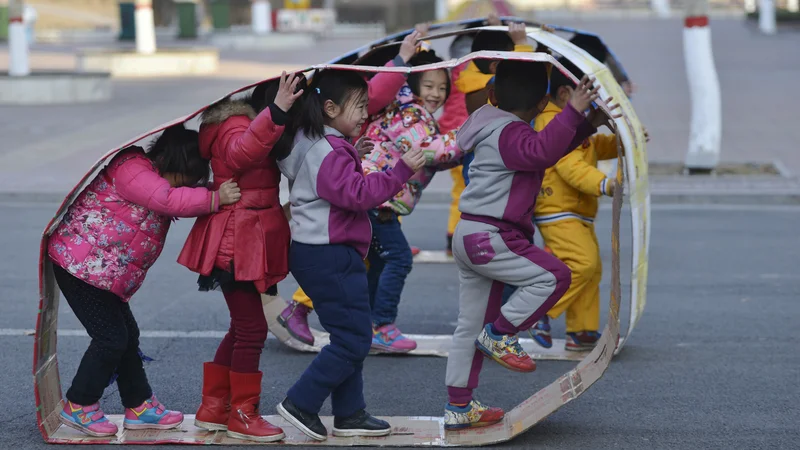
<point x="243" y="249"/>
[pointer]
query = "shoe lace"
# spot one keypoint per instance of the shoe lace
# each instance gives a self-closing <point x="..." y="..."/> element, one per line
<point x="514" y="346"/>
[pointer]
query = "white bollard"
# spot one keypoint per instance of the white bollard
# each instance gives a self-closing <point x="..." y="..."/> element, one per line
<point x="145" y="27"/>
<point x="18" y="65"/>
<point x="705" y="132"/>
<point x="766" y="16"/>
<point x="261" y="12"/>
<point x="441" y="10"/>
<point x="793" y="6"/>
<point x="661" y="8"/>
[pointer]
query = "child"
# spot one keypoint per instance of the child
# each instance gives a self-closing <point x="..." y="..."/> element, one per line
<point x="407" y="124"/>
<point x="243" y="249"/>
<point x="330" y="198"/>
<point x="471" y="86"/>
<point x="565" y="213"/>
<point x="492" y="243"/>
<point x="109" y="237"/>
<point x="382" y="89"/>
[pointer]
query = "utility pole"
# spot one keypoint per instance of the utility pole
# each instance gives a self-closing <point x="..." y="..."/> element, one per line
<point x="706" y="123"/>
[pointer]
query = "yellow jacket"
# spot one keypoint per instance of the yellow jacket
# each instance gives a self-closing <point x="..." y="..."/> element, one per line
<point x="471" y="79"/>
<point x="570" y="188"/>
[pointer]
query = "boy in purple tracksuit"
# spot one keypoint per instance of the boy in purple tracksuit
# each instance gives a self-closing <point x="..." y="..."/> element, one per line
<point x="492" y="242"/>
<point x="331" y="234"/>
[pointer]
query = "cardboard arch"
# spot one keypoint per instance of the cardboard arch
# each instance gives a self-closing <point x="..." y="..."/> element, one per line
<point x="407" y="431"/>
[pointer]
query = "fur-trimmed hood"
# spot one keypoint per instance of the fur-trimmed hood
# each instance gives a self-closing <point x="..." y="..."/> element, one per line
<point x="225" y="109"/>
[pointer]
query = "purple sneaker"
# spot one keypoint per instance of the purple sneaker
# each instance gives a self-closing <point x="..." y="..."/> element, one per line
<point x="295" y="319"/>
<point x="388" y="338"/>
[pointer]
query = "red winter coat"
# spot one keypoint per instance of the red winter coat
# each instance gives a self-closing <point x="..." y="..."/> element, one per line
<point x="252" y="234"/>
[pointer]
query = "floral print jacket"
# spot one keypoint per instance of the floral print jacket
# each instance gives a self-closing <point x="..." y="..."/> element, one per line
<point x="406" y="124"/>
<point x="115" y="229"/>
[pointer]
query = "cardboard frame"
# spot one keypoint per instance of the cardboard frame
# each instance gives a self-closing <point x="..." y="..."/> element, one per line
<point x="407" y="431"/>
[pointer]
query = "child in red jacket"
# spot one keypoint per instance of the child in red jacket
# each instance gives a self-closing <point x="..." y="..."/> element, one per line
<point x="244" y="250"/>
<point x="108" y="239"/>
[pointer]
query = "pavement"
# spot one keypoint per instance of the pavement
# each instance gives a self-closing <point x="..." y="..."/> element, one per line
<point x="712" y="364"/>
<point x="46" y="150"/>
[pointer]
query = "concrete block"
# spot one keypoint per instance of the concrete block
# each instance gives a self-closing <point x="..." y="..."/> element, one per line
<point x="251" y="41"/>
<point x="53" y="88"/>
<point x="166" y="62"/>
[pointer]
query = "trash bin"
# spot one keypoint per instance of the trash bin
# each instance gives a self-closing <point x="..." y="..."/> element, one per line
<point x="3" y="22"/>
<point x="187" y="19"/>
<point x="127" y="21"/>
<point x="221" y="14"/>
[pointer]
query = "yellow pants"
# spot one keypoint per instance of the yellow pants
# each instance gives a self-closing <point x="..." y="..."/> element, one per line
<point x="301" y="297"/>
<point x="458" y="188"/>
<point x="574" y="242"/>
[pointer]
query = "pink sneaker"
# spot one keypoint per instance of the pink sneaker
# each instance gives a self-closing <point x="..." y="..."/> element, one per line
<point x="388" y="338"/>
<point x="87" y="419"/>
<point x="295" y="319"/>
<point x="151" y="415"/>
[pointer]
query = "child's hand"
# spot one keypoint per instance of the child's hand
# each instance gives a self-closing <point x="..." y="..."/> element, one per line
<point x="286" y="95"/>
<point x="409" y="46"/>
<point x="517" y="33"/>
<point x="584" y="94"/>
<point x="548" y="29"/>
<point x="364" y="147"/>
<point x="229" y="192"/>
<point x="493" y="20"/>
<point x="422" y="28"/>
<point x="414" y="159"/>
<point x="598" y="118"/>
<point x="611" y="187"/>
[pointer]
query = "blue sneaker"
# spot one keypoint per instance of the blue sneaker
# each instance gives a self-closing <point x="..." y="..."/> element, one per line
<point x="388" y="338"/>
<point x="581" y="341"/>
<point x="540" y="332"/>
<point x="151" y="415"/>
<point x="87" y="419"/>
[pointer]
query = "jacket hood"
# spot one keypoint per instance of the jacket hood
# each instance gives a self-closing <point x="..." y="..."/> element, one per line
<point x="215" y="115"/>
<point x="550" y="110"/>
<point x="481" y="124"/>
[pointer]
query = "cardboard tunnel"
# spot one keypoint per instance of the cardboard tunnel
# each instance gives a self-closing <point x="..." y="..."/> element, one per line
<point x="407" y="431"/>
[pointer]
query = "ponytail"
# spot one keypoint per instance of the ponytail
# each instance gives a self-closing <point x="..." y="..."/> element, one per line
<point x="339" y="86"/>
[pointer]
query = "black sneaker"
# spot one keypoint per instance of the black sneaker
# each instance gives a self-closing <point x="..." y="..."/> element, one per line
<point x="309" y="424"/>
<point x="360" y="424"/>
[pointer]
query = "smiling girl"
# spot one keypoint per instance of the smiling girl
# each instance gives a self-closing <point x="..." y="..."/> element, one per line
<point x="407" y="124"/>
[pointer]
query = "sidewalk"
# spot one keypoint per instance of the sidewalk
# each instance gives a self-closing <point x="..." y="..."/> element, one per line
<point x="46" y="150"/>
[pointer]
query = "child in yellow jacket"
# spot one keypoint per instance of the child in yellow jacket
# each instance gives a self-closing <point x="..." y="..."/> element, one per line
<point x="565" y="213"/>
<point x="472" y="82"/>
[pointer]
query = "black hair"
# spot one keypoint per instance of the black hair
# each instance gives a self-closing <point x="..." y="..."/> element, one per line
<point x="520" y="85"/>
<point x="177" y="150"/>
<point x="592" y="45"/>
<point x="490" y="40"/>
<point x="422" y="58"/>
<point x="558" y="79"/>
<point x="263" y="95"/>
<point x="338" y="86"/>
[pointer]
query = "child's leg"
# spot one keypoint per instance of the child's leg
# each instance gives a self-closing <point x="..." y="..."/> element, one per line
<point x="574" y="243"/>
<point x="248" y="324"/>
<point x="335" y="277"/>
<point x="395" y="254"/>
<point x="100" y="312"/>
<point x="132" y="382"/>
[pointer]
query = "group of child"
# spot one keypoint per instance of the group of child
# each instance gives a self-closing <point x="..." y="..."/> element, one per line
<point x="346" y="203"/>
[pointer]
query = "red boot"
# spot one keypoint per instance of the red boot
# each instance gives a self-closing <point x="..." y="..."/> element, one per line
<point x="216" y="405"/>
<point x="244" y="422"/>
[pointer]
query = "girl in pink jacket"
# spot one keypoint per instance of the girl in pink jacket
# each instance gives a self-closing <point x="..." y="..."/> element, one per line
<point x="408" y="124"/>
<point x="108" y="239"/>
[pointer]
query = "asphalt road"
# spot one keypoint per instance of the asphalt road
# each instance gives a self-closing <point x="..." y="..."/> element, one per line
<point x="712" y="364"/>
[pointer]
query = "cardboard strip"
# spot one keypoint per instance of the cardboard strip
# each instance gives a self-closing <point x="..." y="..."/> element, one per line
<point x="409" y="431"/>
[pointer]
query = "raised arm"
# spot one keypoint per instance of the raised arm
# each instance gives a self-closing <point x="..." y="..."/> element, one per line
<point x="523" y="149"/>
<point x="383" y="87"/>
<point x="138" y="183"/>
<point x="341" y="183"/>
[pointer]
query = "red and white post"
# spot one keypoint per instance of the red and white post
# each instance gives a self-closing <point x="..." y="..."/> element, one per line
<point x="145" y="27"/>
<point x="261" y="12"/>
<point x="766" y="16"/>
<point x="18" y="65"/>
<point x="706" y="123"/>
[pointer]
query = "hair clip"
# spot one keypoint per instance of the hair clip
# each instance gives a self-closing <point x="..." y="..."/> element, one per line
<point x="318" y="92"/>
